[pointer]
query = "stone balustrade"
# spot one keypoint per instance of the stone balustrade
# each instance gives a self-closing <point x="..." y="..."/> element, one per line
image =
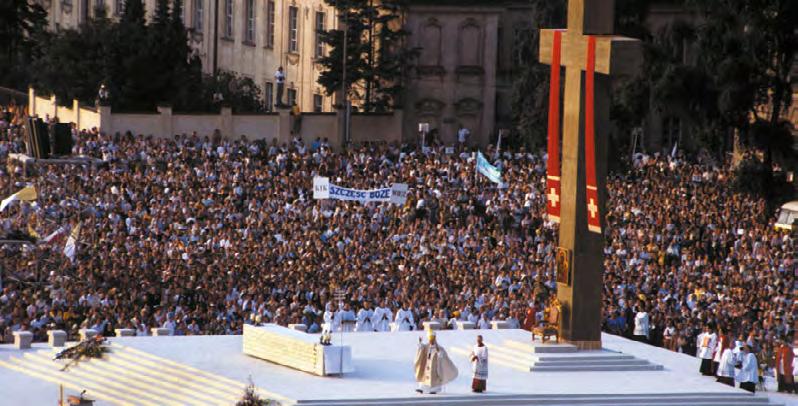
<point x="87" y="333"/>
<point x="125" y="332"/>
<point x="56" y="338"/>
<point x="22" y="339"/>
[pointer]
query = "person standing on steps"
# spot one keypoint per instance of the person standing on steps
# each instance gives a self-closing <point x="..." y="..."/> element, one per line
<point x="479" y="362"/>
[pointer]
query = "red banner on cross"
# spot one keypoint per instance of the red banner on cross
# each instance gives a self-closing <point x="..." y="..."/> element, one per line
<point x="591" y="198"/>
<point x="553" y="146"/>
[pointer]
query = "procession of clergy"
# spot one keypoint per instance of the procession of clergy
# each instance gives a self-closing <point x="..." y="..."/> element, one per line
<point x="720" y="356"/>
<point x="433" y="367"/>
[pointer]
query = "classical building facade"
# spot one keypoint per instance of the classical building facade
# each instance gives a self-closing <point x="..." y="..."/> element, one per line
<point x="250" y="37"/>
<point x="463" y="73"/>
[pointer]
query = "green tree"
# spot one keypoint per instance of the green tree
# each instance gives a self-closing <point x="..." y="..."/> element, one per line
<point x="377" y="59"/>
<point x="531" y="85"/>
<point x="22" y="29"/>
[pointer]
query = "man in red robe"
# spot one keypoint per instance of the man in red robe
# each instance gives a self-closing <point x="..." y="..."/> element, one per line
<point x="784" y="360"/>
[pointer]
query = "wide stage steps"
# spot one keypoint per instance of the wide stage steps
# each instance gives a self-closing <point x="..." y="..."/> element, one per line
<point x="559" y="358"/>
<point x="127" y="376"/>
<point x="655" y="399"/>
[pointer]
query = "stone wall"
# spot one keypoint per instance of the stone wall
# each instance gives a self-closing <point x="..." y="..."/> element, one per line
<point x="272" y="127"/>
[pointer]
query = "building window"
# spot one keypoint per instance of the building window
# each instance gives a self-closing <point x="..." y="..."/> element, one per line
<point x="119" y="5"/>
<point x="198" y="15"/>
<point x="293" y="31"/>
<point x="318" y="103"/>
<point x="268" y="94"/>
<point x="99" y="8"/>
<point x="291" y="97"/>
<point x="249" y="34"/>
<point x="319" y="30"/>
<point x="228" y="18"/>
<point x="270" y="24"/>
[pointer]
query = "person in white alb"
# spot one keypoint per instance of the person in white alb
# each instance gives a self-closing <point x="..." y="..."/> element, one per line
<point x="748" y="376"/>
<point x="404" y="320"/>
<point x="329" y="320"/>
<point x="642" y="325"/>
<point x="382" y="317"/>
<point x="364" y="319"/>
<point x="724" y="341"/>
<point x="346" y="319"/>
<point x="479" y="362"/>
<point x="726" y="367"/>
<point x="706" y="349"/>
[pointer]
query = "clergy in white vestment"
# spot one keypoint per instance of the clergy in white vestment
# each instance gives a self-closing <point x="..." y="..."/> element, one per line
<point x="433" y="367"/>
<point x="748" y="376"/>
<point x="364" y="319"/>
<point x="382" y="317"/>
<point x="404" y="320"/>
<point x="329" y="324"/>
<point x="479" y="365"/>
<point x="706" y="349"/>
<point x="726" y="367"/>
<point x="346" y="319"/>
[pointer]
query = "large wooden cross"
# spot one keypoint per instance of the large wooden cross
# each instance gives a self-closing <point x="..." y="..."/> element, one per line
<point x="590" y="53"/>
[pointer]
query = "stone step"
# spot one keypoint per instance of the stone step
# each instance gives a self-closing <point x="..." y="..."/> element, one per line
<point x="128" y="376"/>
<point x="90" y="384"/>
<point x="541" y="348"/>
<point x="180" y="374"/>
<point x="109" y="383"/>
<point x="574" y="358"/>
<point x="70" y="383"/>
<point x="219" y="381"/>
<point x="148" y="380"/>
<point x="629" y="362"/>
<point x="706" y="399"/>
<point x="595" y="368"/>
<point x="122" y="361"/>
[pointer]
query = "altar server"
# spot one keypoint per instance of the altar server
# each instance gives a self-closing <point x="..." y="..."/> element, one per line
<point x="346" y="319"/>
<point x="479" y="365"/>
<point x="706" y="349"/>
<point x="748" y="376"/>
<point x="364" y="319"/>
<point x="382" y="317"/>
<point x="404" y="320"/>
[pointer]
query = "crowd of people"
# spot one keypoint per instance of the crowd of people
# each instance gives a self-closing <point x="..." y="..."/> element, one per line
<point x="200" y="235"/>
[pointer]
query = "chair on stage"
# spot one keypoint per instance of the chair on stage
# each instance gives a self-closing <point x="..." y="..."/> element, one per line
<point x="550" y="326"/>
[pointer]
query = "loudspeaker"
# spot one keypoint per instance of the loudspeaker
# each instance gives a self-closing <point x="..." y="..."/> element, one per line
<point x="62" y="135"/>
<point x="29" y="143"/>
<point x="37" y="138"/>
<point x="42" y="133"/>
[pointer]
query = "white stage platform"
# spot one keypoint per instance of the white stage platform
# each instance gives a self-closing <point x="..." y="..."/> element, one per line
<point x="214" y="370"/>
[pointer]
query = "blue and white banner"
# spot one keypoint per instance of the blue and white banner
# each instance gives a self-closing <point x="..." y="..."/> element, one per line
<point x="323" y="189"/>
<point x="491" y="172"/>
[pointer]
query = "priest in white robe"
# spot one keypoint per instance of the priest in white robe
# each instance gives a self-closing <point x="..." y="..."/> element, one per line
<point x="346" y="319"/>
<point x="432" y="366"/>
<point x="404" y="320"/>
<point x="726" y="367"/>
<point x="748" y="376"/>
<point x="706" y="343"/>
<point x="382" y="317"/>
<point x="329" y="324"/>
<point x="364" y="319"/>
<point x="479" y="366"/>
